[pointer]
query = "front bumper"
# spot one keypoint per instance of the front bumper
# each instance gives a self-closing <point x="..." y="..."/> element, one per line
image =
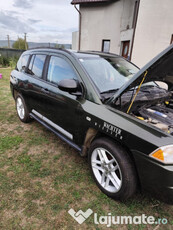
<point x="155" y="177"/>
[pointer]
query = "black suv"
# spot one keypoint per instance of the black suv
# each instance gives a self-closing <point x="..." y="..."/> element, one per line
<point x="107" y="109"/>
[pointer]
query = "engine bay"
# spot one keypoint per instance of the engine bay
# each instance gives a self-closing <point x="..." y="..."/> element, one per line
<point x="153" y="104"/>
<point x="158" y="115"/>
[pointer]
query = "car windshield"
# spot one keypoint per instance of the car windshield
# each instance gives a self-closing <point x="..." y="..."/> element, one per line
<point x="108" y="73"/>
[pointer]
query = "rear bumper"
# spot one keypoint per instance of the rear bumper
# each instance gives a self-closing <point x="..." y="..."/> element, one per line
<point x="155" y="177"/>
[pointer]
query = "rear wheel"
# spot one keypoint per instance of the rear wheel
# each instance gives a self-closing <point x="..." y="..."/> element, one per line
<point x="112" y="169"/>
<point x="22" y="110"/>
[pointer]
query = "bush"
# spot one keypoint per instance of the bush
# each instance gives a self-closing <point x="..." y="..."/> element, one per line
<point x="13" y="61"/>
<point x="8" y="61"/>
<point x="4" y="61"/>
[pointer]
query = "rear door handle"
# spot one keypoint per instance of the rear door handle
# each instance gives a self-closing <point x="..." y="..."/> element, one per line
<point x="45" y="90"/>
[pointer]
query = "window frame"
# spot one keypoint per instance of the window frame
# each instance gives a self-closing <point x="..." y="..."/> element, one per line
<point x="80" y="80"/>
<point x="103" y="41"/>
<point x="30" y="58"/>
<point x="68" y="61"/>
<point x="171" y="42"/>
<point x="44" y="65"/>
<point x="20" y="60"/>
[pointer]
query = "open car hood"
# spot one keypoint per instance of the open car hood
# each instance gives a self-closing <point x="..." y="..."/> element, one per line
<point x="159" y="68"/>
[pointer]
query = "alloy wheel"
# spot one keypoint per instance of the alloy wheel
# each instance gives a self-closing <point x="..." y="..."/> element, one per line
<point x="106" y="170"/>
<point x="20" y="108"/>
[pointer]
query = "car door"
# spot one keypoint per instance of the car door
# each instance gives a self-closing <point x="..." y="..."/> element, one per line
<point x="36" y="84"/>
<point x="21" y="79"/>
<point x="62" y="110"/>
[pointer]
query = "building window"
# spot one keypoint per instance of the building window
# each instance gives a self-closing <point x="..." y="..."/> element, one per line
<point x="125" y="46"/>
<point x="171" y="39"/>
<point x="105" y="46"/>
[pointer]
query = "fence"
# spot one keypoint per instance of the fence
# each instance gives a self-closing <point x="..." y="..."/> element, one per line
<point x="6" y="52"/>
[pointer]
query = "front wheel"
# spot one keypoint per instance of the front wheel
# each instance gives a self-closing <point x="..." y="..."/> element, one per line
<point x="112" y="169"/>
<point x="22" y="110"/>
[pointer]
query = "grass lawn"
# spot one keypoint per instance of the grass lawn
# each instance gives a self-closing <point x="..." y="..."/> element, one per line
<point x="41" y="178"/>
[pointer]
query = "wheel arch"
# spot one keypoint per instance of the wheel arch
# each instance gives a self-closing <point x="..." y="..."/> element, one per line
<point x="15" y="92"/>
<point x="18" y="92"/>
<point x="93" y="134"/>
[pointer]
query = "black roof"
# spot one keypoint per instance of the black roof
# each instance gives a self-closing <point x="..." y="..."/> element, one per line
<point x="78" y="54"/>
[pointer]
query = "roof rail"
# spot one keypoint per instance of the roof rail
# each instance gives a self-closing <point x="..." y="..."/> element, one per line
<point x="95" y="51"/>
<point x="51" y="48"/>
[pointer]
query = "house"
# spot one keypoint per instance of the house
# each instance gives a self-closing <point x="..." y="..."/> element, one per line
<point x="135" y="29"/>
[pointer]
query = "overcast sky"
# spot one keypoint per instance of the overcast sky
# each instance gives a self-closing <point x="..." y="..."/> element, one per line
<point x="42" y="20"/>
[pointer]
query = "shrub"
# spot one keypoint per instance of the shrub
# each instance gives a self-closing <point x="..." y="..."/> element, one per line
<point x="13" y="61"/>
<point x="8" y="61"/>
<point x="4" y="61"/>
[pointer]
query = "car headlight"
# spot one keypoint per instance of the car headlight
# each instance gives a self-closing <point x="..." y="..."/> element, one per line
<point x="164" y="154"/>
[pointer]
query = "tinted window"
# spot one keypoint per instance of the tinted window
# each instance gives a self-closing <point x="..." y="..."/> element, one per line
<point x="60" y="69"/>
<point x="22" y="63"/>
<point x="38" y="64"/>
<point x="109" y="73"/>
<point x="30" y="65"/>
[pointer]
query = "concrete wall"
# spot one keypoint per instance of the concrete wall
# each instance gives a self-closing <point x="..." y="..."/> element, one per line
<point x="127" y="14"/>
<point x="154" y="29"/>
<point x="75" y="40"/>
<point x="101" y="22"/>
<point x="106" y="22"/>
<point x="114" y="22"/>
<point x="126" y="26"/>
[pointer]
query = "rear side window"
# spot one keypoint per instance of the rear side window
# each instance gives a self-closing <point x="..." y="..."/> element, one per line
<point x="22" y="63"/>
<point x="30" y="65"/>
<point x="60" y="69"/>
<point x="36" y="65"/>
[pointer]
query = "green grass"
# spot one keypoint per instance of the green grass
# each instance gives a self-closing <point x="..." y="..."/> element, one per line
<point x="41" y="178"/>
<point x="9" y="142"/>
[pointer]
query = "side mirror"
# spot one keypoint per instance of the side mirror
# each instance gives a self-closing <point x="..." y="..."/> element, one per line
<point x="71" y="86"/>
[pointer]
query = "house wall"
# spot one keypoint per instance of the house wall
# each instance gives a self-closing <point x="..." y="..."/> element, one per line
<point x="106" y="22"/>
<point x="127" y="14"/>
<point x="101" y="22"/>
<point x="153" y="31"/>
<point x="75" y="40"/>
<point x="114" y="22"/>
<point x="126" y="26"/>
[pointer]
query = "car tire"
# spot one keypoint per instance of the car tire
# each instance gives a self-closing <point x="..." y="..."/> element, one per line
<point x="22" y="110"/>
<point x="112" y="169"/>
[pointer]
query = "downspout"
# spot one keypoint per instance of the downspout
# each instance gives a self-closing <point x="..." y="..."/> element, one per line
<point x="134" y="30"/>
<point x="80" y="18"/>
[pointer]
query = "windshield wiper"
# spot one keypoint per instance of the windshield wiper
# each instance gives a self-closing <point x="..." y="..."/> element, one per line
<point x="109" y="91"/>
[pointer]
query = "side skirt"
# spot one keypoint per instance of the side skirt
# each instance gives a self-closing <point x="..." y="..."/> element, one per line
<point x="62" y="137"/>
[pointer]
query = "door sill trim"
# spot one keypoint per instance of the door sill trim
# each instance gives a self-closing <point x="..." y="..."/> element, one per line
<point x="61" y="136"/>
<point x="52" y="124"/>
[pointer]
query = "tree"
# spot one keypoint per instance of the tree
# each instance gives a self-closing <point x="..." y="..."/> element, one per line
<point x="60" y="46"/>
<point x="20" y="44"/>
